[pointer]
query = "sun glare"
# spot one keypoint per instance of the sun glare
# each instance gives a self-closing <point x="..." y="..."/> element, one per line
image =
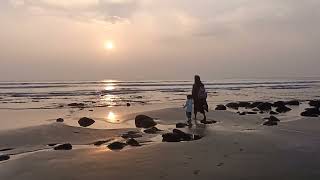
<point x="108" y="45"/>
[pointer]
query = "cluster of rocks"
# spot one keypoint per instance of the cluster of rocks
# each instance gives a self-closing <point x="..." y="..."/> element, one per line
<point x="120" y="145"/>
<point x="314" y="110"/>
<point x="261" y="107"/>
<point x="178" y="136"/>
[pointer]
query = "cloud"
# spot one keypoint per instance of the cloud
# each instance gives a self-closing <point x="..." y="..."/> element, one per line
<point x="102" y="11"/>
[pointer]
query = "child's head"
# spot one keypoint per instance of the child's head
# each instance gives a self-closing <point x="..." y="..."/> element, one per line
<point x="189" y="96"/>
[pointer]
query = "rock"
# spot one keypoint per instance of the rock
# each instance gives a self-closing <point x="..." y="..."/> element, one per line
<point x="181" y="125"/>
<point x="255" y="109"/>
<point x="153" y="130"/>
<point x="184" y="136"/>
<point x="311" y="112"/>
<point x="270" y="123"/>
<point x="208" y="122"/>
<point x="254" y="105"/>
<point x="315" y="103"/>
<point x="252" y="113"/>
<point x="278" y="103"/>
<point x="273" y="113"/>
<point x="59" y="120"/>
<point x="293" y="103"/>
<point x="171" y="137"/>
<point x="233" y="105"/>
<point x="221" y="107"/>
<point x="131" y="134"/>
<point x="242" y="113"/>
<point x="133" y="142"/>
<point x="116" y="145"/>
<point x="99" y="143"/>
<point x="4" y="157"/>
<point x="85" y="122"/>
<point x="143" y="121"/>
<point x="51" y="144"/>
<point x="76" y="104"/>
<point x="283" y="109"/>
<point x="63" y="147"/>
<point x="264" y="106"/>
<point x="91" y="110"/>
<point x="176" y="136"/>
<point x="244" y="104"/>
<point x="197" y="137"/>
<point x="273" y="118"/>
<point x="128" y="104"/>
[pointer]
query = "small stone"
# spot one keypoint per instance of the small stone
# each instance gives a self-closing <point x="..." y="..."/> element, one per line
<point x="221" y="107"/>
<point x="133" y="142"/>
<point x="116" y="145"/>
<point x="85" y="122"/>
<point x="143" y="121"/>
<point x="63" y="147"/>
<point x="59" y="120"/>
<point x="128" y="104"/>
<point x="4" y="157"/>
<point x="153" y="130"/>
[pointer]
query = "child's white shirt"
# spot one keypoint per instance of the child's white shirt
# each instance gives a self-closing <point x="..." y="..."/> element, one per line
<point x="188" y="105"/>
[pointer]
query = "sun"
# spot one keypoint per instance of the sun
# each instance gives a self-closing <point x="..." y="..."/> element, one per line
<point x="108" y="45"/>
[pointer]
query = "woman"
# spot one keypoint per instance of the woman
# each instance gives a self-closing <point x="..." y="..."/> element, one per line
<point x="199" y="96"/>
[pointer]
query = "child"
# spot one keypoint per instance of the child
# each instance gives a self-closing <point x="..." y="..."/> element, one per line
<point x="188" y="107"/>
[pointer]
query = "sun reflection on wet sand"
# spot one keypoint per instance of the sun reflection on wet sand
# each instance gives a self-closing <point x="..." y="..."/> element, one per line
<point x="112" y="117"/>
<point x="109" y="87"/>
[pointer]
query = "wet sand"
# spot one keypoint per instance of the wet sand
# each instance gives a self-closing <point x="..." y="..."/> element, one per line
<point x="236" y="147"/>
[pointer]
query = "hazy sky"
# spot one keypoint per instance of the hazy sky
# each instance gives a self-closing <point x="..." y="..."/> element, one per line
<point x="158" y="39"/>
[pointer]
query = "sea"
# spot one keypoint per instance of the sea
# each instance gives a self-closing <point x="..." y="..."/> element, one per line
<point x="25" y="102"/>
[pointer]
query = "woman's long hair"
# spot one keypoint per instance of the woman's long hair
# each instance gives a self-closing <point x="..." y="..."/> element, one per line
<point x="197" y="80"/>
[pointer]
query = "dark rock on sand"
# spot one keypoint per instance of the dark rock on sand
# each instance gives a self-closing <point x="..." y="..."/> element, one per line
<point x="273" y="118"/>
<point x="233" y="105"/>
<point x="181" y="125"/>
<point x="99" y="143"/>
<point x="252" y="112"/>
<point x="208" y="122"/>
<point x="293" y="103"/>
<point x="221" y="107"/>
<point x="278" y="103"/>
<point x="116" y="145"/>
<point x="171" y="137"/>
<point x="128" y="104"/>
<point x="242" y="113"/>
<point x="254" y="105"/>
<point x="315" y="103"/>
<point x="283" y="109"/>
<point x="197" y="137"/>
<point x="273" y="113"/>
<point x="59" y="120"/>
<point x="76" y="104"/>
<point x="264" y="106"/>
<point x="6" y="149"/>
<point x="63" y="147"/>
<point x="133" y="142"/>
<point x="184" y="136"/>
<point x="143" y="121"/>
<point x="255" y="109"/>
<point x="152" y="130"/>
<point x="85" y="122"/>
<point x="52" y="144"/>
<point x="131" y="134"/>
<point x="244" y="104"/>
<point x="4" y="157"/>
<point x="270" y="123"/>
<point x="176" y="136"/>
<point x="311" y="112"/>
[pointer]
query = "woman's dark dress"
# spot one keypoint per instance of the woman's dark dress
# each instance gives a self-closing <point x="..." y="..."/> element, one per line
<point x="200" y="105"/>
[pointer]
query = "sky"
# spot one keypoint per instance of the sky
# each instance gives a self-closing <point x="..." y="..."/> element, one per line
<point x="48" y="40"/>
